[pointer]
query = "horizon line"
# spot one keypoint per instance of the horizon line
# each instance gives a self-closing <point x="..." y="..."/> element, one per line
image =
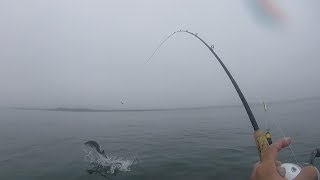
<point x="77" y="109"/>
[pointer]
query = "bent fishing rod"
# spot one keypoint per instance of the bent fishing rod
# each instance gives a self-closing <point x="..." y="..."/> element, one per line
<point x="260" y="137"/>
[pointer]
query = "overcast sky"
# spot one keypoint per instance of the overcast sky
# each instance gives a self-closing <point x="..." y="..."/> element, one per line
<point x="81" y="53"/>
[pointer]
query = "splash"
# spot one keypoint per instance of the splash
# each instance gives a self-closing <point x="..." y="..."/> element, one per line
<point x="106" y="166"/>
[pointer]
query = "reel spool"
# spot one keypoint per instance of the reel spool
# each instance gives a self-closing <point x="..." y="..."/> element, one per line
<point x="292" y="170"/>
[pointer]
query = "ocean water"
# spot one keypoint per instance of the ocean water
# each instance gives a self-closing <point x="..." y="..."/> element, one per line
<point x="209" y="143"/>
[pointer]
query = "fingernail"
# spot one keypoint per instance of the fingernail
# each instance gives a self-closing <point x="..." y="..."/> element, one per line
<point x="287" y="138"/>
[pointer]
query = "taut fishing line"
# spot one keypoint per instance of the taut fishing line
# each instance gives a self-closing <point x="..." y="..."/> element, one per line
<point x="290" y="146"/>
<point x="262" y="139"/>
<point x="266" y="108"/>
<point x="159" y="46"/>
<point x="242" y="98"/>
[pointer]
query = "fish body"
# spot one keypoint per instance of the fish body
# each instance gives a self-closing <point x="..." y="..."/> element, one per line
<point x="96" y="146"/>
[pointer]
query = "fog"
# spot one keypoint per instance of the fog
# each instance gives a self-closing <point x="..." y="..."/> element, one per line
<point x="92" y="53"/>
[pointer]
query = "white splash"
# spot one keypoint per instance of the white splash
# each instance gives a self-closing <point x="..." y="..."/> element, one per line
<point x="107" y="165"/>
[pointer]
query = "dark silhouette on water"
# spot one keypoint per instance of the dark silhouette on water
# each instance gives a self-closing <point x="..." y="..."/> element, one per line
<point x="104" y="170"/>
<point x="96" y="146"/>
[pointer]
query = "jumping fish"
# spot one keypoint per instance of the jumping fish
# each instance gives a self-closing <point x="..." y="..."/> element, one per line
<point x="95" y="145"/>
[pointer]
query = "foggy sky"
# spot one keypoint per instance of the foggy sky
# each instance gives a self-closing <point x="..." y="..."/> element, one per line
<point x="81" y="53"/>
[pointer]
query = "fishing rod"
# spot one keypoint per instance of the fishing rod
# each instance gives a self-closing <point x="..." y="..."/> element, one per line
<point x="260" y="138"/>
<point x="263" y="140"/>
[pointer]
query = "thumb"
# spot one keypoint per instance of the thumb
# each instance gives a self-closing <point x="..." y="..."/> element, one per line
<point x="272" y="151"/>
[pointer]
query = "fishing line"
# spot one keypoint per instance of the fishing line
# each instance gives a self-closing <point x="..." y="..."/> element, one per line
<point x="262" y="141"/>
<point x="159" y="46"/>
<point x="283" y="134"/>
<point x="241" y="96"/>
<point x="266" y="108"/>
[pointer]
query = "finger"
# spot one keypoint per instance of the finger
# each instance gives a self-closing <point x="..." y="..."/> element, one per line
<point x="272" y="151"/>
<point x="281" y="171"/>
<point x="278" y="163"/>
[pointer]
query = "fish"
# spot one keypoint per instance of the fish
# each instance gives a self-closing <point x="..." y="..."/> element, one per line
<point x="96" y="146"/>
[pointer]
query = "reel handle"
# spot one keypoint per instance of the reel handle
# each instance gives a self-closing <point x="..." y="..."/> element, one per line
<point x="314" y="154"/>
<point x="261" y="141"/>
<point x="318" y="152"/>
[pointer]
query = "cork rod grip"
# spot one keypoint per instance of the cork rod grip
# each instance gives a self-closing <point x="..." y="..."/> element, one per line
<point x="261" y="141"/>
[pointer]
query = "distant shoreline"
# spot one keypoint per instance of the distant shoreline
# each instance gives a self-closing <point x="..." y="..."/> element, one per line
<point x="114" y="110"/>
<point x="64" y="109"/>
<point x="89" y="110"/>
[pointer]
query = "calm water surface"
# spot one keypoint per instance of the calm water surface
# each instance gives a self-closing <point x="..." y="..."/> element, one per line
<point x="211" y="143"/>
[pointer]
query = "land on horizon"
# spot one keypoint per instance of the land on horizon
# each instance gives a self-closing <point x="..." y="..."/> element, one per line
<point x="68" y="109"/>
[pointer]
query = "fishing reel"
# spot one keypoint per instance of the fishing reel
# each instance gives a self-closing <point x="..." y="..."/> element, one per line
<point x="315" y="153"/>
<point x="292" y="170"/>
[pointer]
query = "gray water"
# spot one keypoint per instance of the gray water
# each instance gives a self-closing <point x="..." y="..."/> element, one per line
<point x="210" y="143"/>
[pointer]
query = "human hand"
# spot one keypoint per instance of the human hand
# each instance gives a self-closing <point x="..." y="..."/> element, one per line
<point x="270" y="169"/>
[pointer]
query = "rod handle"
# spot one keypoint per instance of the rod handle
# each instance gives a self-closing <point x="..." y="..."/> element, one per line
<point x="261" y="141"/>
